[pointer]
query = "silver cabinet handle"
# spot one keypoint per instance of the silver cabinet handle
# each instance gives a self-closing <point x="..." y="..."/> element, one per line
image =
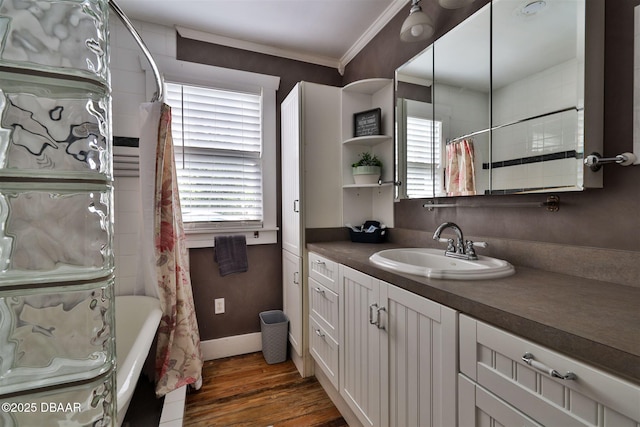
<point x="373" y="307"/>
<point x="296" y="279"/>
<point x="320" y="291"/>
<point x="378" y="324"/>
<point x="530" y="360"/>
<point x="319" y="262"/>
<point x="319" y="333"/>
<point x="296" y="206"/>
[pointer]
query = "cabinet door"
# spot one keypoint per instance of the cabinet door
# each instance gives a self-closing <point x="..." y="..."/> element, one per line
<point x="292" y="293"/>
<point x="422" y="359"/>
<point x="480" y="408"/>
<point x="361" y="366"/>
<point x="290" y="136"/>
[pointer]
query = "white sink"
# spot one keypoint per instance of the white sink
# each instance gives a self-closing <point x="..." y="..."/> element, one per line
<point x="434" y="264"/>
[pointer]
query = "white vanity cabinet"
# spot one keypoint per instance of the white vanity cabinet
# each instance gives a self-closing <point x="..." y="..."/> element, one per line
<point x="397" y="364"/>
<point x="496" y="386"/>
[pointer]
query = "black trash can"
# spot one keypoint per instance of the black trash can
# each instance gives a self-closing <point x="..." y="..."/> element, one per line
<point x="274" y="326"/>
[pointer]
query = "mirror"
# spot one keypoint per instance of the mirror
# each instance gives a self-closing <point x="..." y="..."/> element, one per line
<point x="496" y="105"/>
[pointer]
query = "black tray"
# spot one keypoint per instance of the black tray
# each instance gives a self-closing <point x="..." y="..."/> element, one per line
<point x="378" y="236"/>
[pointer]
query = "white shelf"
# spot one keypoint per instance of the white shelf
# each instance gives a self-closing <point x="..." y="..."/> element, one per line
<point x="369" y="140"/>
<point x="367" y="86"/>
<point x="361" y="202"/>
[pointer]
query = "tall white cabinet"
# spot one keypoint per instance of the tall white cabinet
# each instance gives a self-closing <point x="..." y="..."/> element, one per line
<point x="310" y="193"/>
<point x="318" y="190"/>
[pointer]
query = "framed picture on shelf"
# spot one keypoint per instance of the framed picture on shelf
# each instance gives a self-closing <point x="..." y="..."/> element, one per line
<point x="367" y="123"/>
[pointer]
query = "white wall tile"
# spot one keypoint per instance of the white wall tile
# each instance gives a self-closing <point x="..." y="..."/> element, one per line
<point x="128" y="83"/>
<point x="128" y="125"/>
<point x="127" y="76"/>
<point x="126" y="226"/>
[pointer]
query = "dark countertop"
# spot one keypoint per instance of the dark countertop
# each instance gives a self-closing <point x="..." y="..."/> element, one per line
<point x="592" y="321"/>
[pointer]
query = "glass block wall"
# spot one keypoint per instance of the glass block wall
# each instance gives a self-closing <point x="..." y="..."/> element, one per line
<point x="57" y="356"/>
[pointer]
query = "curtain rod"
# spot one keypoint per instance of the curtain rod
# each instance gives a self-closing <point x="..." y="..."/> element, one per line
<point x="539" y="116"/>
<point x="159" y="95"/>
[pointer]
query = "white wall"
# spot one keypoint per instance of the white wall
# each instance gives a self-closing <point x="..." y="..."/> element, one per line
<point x="128" y="84"/>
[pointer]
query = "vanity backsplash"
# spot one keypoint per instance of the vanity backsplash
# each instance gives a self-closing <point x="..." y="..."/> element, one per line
<point x="607" y="265"/>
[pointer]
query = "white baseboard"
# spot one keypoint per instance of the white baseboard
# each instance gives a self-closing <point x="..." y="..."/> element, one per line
<point x="346" y="412"/>
<point x="231" y="346"/>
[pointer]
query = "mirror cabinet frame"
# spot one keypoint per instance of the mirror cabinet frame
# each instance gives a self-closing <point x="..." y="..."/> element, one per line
<point x="591" y="113"/>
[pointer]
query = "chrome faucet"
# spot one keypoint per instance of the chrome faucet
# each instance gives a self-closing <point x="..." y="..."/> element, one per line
<point x="463" y="249"/>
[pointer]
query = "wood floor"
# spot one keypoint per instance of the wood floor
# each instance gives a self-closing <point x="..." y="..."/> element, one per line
<point x="246" y="391"/>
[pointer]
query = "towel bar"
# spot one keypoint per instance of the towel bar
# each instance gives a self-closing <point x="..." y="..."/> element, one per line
<point x="552" y="204"/>
<point x="595" y="161"/>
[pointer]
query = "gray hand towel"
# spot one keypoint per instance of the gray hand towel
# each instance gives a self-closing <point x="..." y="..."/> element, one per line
<point x="231" y="254"/>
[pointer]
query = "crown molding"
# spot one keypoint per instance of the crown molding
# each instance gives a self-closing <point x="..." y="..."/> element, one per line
<point x="257" y="47"/>
<point x="389" y="13"/>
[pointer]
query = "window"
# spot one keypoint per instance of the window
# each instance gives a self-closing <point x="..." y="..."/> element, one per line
<point x="217" y="135"/>
<point x="424" y="146"/>
<point x="253" y="210"/>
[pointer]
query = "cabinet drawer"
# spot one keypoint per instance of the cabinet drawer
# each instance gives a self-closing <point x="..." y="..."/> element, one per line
<point x="323" y="304"/>
<point x="324" y="350"/>
<point x="324" y="271"/>
<point x="494" y="359"/>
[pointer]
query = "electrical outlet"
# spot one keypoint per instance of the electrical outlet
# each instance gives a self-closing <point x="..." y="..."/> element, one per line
<point x="219" y="305"/>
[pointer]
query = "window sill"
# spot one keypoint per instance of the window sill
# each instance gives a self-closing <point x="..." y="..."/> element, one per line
<point x="205" y="238"/>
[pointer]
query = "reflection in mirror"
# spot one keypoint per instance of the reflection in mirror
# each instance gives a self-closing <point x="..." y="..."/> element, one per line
<point x="462" y="102"/>
<point x="418" y="170"/>
<point x="454" y="115"/>
<point x="537" y="95"/>
<point x="422" y="170"/>
<point x="506" y="90"/>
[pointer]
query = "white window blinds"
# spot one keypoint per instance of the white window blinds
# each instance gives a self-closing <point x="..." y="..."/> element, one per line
<point x="423" y="154"/>
<point x="217" y="136"/>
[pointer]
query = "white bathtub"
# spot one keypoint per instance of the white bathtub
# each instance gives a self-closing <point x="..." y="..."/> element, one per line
<point x="137" y="319"/>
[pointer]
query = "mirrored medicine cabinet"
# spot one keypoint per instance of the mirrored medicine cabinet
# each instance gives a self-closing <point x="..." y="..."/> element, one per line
<point x="507" y="102"/>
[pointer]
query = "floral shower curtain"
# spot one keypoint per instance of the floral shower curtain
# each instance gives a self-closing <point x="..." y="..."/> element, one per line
<point x="461" y="177"/>
<point x="178" y="357"/>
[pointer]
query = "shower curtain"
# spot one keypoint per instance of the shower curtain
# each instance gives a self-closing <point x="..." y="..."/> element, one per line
<point x="461" y="177"/>
<point x="178" y="356"/>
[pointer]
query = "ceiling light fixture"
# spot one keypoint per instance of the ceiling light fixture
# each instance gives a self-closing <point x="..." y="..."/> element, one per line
<point x="418" y="26"/>
<point x="454" y="4"/>
<point x="532" y="8"/>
